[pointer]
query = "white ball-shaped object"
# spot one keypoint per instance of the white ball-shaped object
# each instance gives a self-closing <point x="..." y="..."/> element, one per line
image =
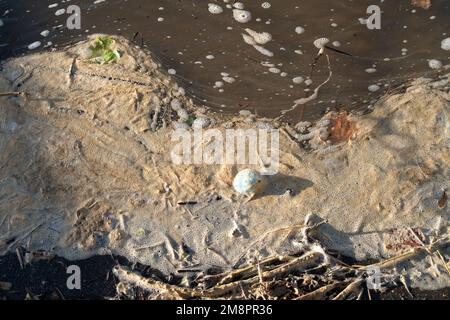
<point x="249" y="181"/>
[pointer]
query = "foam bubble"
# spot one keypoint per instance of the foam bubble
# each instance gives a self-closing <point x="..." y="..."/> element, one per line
<point x="435" y="64"/>
<point x="238" y="5"/>
<point x="214" y="8"/>
<point x="229" y="79"/>
<point x="248" y="39"/>
<point x="274" y="70"/>
<point x="60" y="12"/>
<point x="242" y="16"/>
<point x="299" y="30"/>
<point x="260" y="38"/>
<point x="298" y="80"/>
<point x="373" y="88"/>
<point x="263" y="50"/>
<point x="445" y="44"/>
<point x="34" y="45"/>
<point x="321" y="42"/>
<point x="218" y="84"/>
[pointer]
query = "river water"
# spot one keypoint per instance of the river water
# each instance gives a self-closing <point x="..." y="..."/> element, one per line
<point x="206" y="52"/>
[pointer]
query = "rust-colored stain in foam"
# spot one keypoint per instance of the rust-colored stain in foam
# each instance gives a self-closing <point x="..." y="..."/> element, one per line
<point x="424" y="4"/>
<point x="341" y="128"/>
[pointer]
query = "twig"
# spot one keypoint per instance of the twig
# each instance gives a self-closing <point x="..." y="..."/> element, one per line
<point x="3" y="220"/>
<point x="438" y="253"/>
<point x="20" y="257"/>
<point x="60" y="294"/>
<point x="15" y="94"/>
<point x="12" y="244"/>
<point x="151" y="285"/>
<point x="289" y="136"/>
<point x="351" y="288"/>
<point x="246" y="272"/>
<point x="296" y="226"/>
<point x="221" y="256"/>
<point x="391" y="262"/>
<point x="150" y="246"/>
<point x="403" y="281"/>
<point x="170" y="248"/>
<point x="298" y="263"/>
<point x="321" y="292"/>
<point x="260" y="272"/>
<point x="71" y="72"/>
<point x="360" y="294"/>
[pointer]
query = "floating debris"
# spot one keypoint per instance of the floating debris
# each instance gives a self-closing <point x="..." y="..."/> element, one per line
<point x="34" y="45"/>
<point x="102" y="51"/>
<point x="259" y="37"/>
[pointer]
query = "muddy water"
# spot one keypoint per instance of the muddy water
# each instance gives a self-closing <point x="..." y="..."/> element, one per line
<point x="209" y="56"/>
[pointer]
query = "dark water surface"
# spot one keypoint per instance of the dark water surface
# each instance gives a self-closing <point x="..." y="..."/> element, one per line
<point x="204" y="48"/>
